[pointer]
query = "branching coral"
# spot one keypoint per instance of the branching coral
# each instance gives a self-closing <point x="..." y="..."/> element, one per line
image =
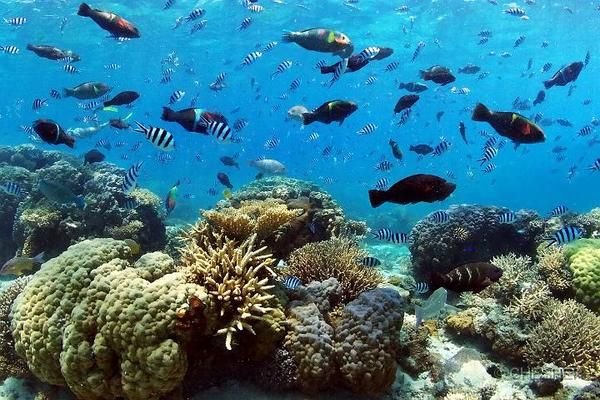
<point x="10" y="363"/>
<point x="533" y="303"/>
<point x="236" y="278"/>
<point x="260" y="217"/>
<point x="338" y="258"/>
<point x="552" y="264"/>
<point x="517" y="271"/>
<point x="569" y="337"/>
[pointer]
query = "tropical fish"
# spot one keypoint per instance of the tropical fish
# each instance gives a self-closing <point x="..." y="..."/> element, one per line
<point x="111" y="22"/>
<point x="159" y="137"/>
<point x="52" y="133"/>
<point x="171" y="199"/>
<point x="321" y="40"/>
<point x="413" y="189"/>
<point x="391" y="236"/>
<point x="60" y="194"/>
<point x="564" y="235"/>
<point x="511" y="125"/>
<point x="328" y="112"/>
<point x="19" y="265"/>
<point x="467" y="278"/>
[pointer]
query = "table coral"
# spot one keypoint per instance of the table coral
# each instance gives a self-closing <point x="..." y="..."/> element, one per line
<point x="338" y="258"/>
<point x="584" y="262"/>
<point x="569" y="337"/>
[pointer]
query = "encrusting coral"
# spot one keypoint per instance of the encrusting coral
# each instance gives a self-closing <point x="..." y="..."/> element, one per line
<point x="584" y="262"/>
<point x="237" y="279"/>
<point x="338" y="258"/>
<point x="569" y="337"/>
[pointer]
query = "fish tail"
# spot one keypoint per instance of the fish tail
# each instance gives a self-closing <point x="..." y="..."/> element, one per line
<point x="39" y="258"/>
<point x="437" y="280"/>
<point x="377" y="198"/>
<point x="548" y="84"/>
<point x="481" y="113"/>
<point x="84" y="10"/>
<point x="167" y="114"/>
<point x="68" y="92"/>
<point x="288" y="36"/>
<point x="140" y="128"/>
<point x="29" y="46"/>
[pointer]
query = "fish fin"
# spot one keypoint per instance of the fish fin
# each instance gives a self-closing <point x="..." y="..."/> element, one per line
<point x="40" y="257"/>
<point x="110" y="109"/>
<point x="167" y="114"/>
<point x="516" y="145"/>
<point x="437" y="281"/>
<point x="128" y="116"/>
<point x="481" y="113"/>
<point x="308" y="118"/>
<point x="287" y="36"/>
<point x="84" y="10"/>
<point x="377" y="198"/>
<point x="140" y="128"/>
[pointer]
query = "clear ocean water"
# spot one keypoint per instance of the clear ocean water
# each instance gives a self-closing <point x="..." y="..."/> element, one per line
<point x="528" y="177"/>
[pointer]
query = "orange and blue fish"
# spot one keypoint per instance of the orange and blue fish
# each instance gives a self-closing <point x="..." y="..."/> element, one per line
<point x="171" y="200"/>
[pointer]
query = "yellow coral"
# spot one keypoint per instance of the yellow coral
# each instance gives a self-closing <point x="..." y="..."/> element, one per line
<point x="260" y="217"/>
<point x="533" y="303"/>
<point x="552" y="264"/>
<point x="337" y="258"/>
<point x="236" y="278"/>
<point x="463" y="323"/>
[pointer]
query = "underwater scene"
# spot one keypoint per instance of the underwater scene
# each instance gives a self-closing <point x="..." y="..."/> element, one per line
<point x="299" y="199"/>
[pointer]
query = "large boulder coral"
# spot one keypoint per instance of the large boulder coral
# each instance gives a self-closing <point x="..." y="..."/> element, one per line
<point x="41" y="225"/>
<point x="584" y="263"/>
<point x="106" y="327"/>
<point x="473" y="233"/>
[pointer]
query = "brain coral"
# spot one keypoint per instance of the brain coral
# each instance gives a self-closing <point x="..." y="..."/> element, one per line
<point x="436" y="247"/>
<point x="106" y="328"/>
<point x="584" y="261"/>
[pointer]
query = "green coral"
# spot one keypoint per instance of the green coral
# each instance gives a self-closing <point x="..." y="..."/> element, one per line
<point x="107" y="328"/>
<point x="584" y="261"/>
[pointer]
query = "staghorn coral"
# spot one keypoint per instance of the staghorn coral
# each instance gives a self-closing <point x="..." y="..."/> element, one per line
<point x="237" y="278"/>
<point x="584" y="262"/>
<point x="10" y="363"/>
<point x="552" y="264"/>
<point x="569" y="337"/>
<point x="517" y="273"/>
<point x="338" y="258"/>
<point x="438" y="248"/>
<point x="106" y="328"/>
<point x="366" y="340"/>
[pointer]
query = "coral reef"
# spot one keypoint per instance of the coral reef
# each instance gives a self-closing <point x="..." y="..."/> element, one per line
<point x="584" y="262"/>
<point x="552" y="265"/>
<point x="569" y="337"/>
<point x="41" y="225"/>
<point x="237" y="279"/>
<point x="517" y="274"/>
<point x="10" y="364"/>
<point x="104" y="327"/>
<point x="436" y="247"/>
<point x="338" y="258"/>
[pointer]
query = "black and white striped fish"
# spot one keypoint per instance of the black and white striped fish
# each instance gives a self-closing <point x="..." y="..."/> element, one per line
<point x="367" y="129"/>
<point x="131" y="177"/>
<point x="38" y="104"/>
<point x="382" y="184"/>
<point x="55" y="94"/>
<point x="595" y="166"/>
<point x="585" y="131"/>
<point x="392" y="66"/>
<point x="15" y="21"/>
<point x="256" y="8"/>
<point x="439" y="217"/>
<point x="488" y="154"/>
<point x="70" y="69"/>
<point x="282" y="67"/>
<point x="384" y="165"/>
<point x="587" y="59"/>
<point x="320" y="64"/>
<point x="369" y="53"/>
<point x="519" y="41"/>
<point x="112" y="67"/>
<point x="391" y="236"/>
<point x="370" y="262"/>
<point x="91" y="105"/>
<point x="489" y="168"/>
<point x="290" y="282"/>
<point x="198" y="26"/>
<point x="12" y="188"/>
<point x="28" y="129"/>
<point x="516" y="11"/>
<point x="168" y="4"/>
<point x="272" y="143"/>
<point x="339" y="71"/>
<point x="176" y="97"/>
<point x="420" y="46"/>
<point x="420" y="287"/>
<point x="130" y="204"/>
<point x="245" y="24"/>
<point x="269" y="46"/>
<point x="9" y="49"/>
<point x="564" y="235"/>
<point x="197" y="13"/>
<point x="104" y="143"/>
<point x="370" y="80"/>
<point x="546" y="67"/>
<point x="240" y="124"/>
<point x="313" y="137"/>
<point x="441" y="148"/>
<point x="545" y="44"/>
<point x="295" y="84"/>
<point x="251" y="57"/>
<point x="220" y="130"/>
<point x="159" y="137"/>
<point x="507" y="217"/>
<point x="559" y="211"/>
<point x="404" y="116"/>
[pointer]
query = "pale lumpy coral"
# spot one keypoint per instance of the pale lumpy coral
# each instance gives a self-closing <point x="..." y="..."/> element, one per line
<point x="92" y="320"/>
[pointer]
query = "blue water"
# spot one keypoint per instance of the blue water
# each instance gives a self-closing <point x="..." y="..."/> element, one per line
<point x="528" y="177"/>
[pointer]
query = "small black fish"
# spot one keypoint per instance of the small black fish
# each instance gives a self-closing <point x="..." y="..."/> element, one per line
<point x="463" y="131"/>
<point x="421" y="149"/>
<point x="93" y="156"/>
<point x="229" y="161"/>
<point x="224" y="179"/>
<point x="541" y="96"/>
<point x="396" y="152"/>
<point x="438" y="74"/>
<point x="405" y="102"/>
<point x="467" y="278"/>
<point x="439" y="115"/>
